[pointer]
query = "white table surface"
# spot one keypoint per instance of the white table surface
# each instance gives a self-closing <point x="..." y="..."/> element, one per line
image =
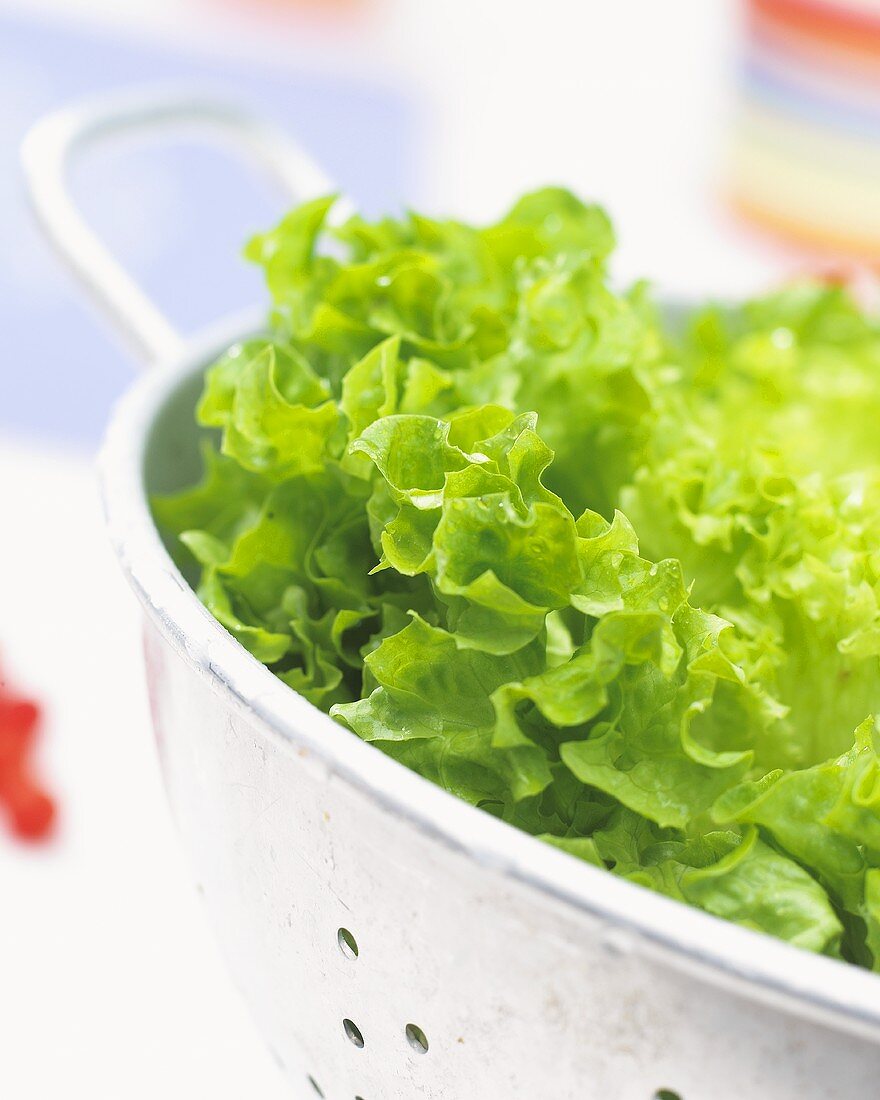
<point x="111" y="985"/>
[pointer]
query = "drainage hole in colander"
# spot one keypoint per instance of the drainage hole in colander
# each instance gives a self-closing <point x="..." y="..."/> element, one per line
<point x="354" y="1033"/>
<point x="347" y="943"/>
<point x="418" y="1040"/>
<point x="316" y="1087"/>
<point x="666" y="1094"/>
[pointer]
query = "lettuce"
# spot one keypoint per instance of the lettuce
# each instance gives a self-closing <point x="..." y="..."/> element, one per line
<point x="615" y="585"/>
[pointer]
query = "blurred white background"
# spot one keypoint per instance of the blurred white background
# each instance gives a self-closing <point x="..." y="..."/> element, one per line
<point x="110" y="985"/>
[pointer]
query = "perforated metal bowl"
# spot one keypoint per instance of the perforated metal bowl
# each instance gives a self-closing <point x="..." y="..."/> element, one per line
<point x="392" y="941"/>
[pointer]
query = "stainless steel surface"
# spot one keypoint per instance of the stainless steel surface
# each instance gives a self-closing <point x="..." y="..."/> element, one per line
<point x="56" y="142"/>
<point x="528" y="973"/>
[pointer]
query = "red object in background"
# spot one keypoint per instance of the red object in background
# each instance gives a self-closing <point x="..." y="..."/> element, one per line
<point x="29" y="810"/>
<point x="834" y="26"/>
<point x="335" y="15"/>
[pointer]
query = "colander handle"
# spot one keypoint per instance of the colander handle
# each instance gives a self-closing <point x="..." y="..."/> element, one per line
<point x="55" y="141"/>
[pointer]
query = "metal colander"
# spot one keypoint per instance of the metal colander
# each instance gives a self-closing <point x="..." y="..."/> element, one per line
<point x="392" y="941"/>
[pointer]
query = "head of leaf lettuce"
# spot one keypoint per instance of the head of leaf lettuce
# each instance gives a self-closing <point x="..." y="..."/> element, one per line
<point x="617" y="588"/>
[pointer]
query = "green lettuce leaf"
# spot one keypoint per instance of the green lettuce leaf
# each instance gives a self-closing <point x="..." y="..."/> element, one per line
<point x="615" y="584"/>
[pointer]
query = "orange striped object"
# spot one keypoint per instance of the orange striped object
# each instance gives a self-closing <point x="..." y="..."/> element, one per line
<point x="806" y="151"/>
